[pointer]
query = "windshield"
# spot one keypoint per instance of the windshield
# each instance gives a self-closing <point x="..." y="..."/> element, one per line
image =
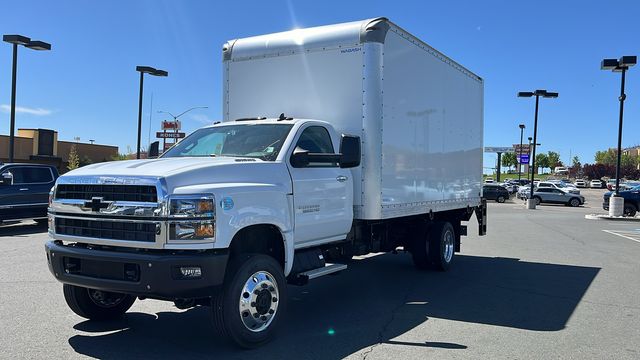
<point x="261" y="141"/>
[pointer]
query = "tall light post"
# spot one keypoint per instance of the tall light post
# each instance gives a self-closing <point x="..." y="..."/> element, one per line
<point x="538" y="93"/>
<point x="521" y="126"/>
<point x="16" y="40"/>
<point x="151" y="71"/>
<point x="616" y="203"/>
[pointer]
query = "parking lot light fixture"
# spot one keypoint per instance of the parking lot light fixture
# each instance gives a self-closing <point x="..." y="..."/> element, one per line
<point x="151" y="71"/>
<point x="619" y="65"/>
<point x="16" y="40"/>
<point x="537" y="93"/>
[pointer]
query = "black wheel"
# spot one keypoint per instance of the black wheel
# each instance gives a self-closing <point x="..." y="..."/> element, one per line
<point x="41" y="222"/>
<point x="537" y="200"/>
<point x="252" y="302"/>
<point x="436" y="249"/>
<point x="500" y="199"/>
<point x="96" y="304"/>
<point x="575" y="202"/>
<point x="630" y="210"/>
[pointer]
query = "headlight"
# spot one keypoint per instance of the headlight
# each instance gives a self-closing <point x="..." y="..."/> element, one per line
<point x="192" y="217"/>
<point x="195" y="206"/>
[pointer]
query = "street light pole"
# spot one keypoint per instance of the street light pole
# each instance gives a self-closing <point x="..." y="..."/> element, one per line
<point x="520" y="153"/>
<point x="537" y="94"/>
<point x="151" y="71"/>
<point x="616" y="203"/>
<point x="14" y="73"/>
<point x="16" y="40"/>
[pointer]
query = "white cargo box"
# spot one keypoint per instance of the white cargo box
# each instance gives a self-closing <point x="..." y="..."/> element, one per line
<point x="419" y="114"/>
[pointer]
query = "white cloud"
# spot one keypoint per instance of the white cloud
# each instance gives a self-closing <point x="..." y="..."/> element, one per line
<point x="25" y="110"/>
<point x="202" y="118"/>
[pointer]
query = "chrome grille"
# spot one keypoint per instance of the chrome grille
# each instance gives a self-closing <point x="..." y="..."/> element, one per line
<point x="106" y="229"/>
<point x="134" y="193"/>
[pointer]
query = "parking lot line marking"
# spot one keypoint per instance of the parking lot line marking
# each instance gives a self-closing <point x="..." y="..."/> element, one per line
<point x="620" y="233"/>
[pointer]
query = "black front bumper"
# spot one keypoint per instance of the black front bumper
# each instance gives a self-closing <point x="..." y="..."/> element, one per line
<point x="151" y="274"/>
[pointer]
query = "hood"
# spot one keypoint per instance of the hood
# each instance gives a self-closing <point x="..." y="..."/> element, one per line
<point x="163" y="167"/>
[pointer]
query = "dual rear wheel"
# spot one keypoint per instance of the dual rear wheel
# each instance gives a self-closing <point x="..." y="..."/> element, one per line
<point x="436" y="249"/>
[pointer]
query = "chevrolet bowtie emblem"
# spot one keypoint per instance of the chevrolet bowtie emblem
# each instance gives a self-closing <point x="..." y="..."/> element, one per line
<point x="96" y="203"/>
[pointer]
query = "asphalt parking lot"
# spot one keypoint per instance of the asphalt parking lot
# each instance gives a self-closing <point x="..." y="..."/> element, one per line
<point x="545" y="283"/>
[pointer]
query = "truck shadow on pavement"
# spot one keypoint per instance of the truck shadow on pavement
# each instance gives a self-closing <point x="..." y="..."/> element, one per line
<point x="376" y="301"/>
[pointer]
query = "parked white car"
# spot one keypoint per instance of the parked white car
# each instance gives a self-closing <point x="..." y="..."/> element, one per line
<point x="580" y="183"/>
<point x="558" y="185"/>
<point x="595" y="184"/>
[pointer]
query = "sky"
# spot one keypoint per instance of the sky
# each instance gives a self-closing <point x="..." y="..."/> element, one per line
<point x="87" y="86"/>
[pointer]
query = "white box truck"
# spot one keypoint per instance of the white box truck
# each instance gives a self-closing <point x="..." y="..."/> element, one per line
<point x="337" y="141"/>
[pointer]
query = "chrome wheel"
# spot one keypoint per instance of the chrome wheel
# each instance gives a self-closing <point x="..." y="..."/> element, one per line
<point x="448" y="246"/>
<point x="258" y="302"/>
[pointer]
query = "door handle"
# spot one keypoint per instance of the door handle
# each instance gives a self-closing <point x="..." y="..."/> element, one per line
<point x="342" y="178"/>
<point x="23" y="189"/>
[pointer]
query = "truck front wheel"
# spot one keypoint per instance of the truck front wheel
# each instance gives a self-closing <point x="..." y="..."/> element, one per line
<point x="96" y="304"/>
<point x="437" y="250"/>
<point x="253" y="300"/>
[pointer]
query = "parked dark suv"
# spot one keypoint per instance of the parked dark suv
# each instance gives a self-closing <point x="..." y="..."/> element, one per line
<point x="631" y="201"/>
<point x="24" y="191"/>
<point x="495" y="192"/>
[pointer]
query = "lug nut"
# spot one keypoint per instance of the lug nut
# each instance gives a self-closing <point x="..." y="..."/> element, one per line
<point x="253" y="304"/>
<point x="245" y="295"/>
<point x="263" y="318"/>
<point x="271" y="311"/>
<point x="245" y="314"/>
<point x="264" y="286"/>
<point x="271" y="288"/>
<point x="275" y="299"/>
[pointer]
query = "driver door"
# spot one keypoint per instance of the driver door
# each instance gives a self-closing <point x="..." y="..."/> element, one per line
<point x="322" y="193"/>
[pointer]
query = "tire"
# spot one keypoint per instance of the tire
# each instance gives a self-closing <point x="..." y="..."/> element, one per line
<point x="436" y="250"/>
<point x="252" y="285"/>
<point x="574" y="202"/>
<point x="500" y="199"/>
<point x="630" y="210"/>
<point x="95" y="304"/>
<point x="537" y="200"/>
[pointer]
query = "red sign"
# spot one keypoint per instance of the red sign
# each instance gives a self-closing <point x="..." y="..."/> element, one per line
<point x="167" y="146"/>
<point x="171" y="125"/>
<point x="170" y="135"/>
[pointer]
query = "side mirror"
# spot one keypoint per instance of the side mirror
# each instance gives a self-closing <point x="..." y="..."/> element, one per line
<point x="299" y="158"/>
<point x="350" y="151"/>
<point x="153" y="150"/>
<point x="6" y="179"/>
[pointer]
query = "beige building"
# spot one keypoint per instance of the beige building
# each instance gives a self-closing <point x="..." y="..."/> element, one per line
<point x="633" y="152"/>
<point x="42" y="146"/>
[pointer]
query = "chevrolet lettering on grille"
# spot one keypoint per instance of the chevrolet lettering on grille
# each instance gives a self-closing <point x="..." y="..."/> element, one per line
<point x="96" y="203"/>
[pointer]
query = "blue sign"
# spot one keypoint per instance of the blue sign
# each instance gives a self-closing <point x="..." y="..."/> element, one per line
<point x="524" y="158"/>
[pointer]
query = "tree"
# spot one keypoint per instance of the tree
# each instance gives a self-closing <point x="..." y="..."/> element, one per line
<point x="553" y="159"/>
<point x="509" y="159"/>
<point x="607" y="157"/>
<point x="542" y="161"/>
<point x="575" y="162"/>
<point x="74" y="159"/>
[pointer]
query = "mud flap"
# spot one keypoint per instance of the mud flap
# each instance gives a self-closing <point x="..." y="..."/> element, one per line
<point x="481" y="215"/>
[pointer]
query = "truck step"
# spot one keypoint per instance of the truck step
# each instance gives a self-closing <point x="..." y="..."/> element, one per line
<point x="304" y="277"/>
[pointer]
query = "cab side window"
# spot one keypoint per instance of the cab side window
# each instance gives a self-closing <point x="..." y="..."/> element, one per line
<point x="316" y="139"/>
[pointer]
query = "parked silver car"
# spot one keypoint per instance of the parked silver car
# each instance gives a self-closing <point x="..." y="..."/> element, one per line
<point x="551" y="195"/>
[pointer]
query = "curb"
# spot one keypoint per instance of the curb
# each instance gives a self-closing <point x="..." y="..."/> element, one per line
<point x="607" y="217"/>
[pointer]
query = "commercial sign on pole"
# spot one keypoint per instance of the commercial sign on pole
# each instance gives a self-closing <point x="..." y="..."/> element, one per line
<point x="167" y="146"/>
<point x="498" y="149"/>
<point x="170" y="135"/>
<point x="171" y="125"/>
<point x="524" y="158"/>
<point x="525" y="149"/>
